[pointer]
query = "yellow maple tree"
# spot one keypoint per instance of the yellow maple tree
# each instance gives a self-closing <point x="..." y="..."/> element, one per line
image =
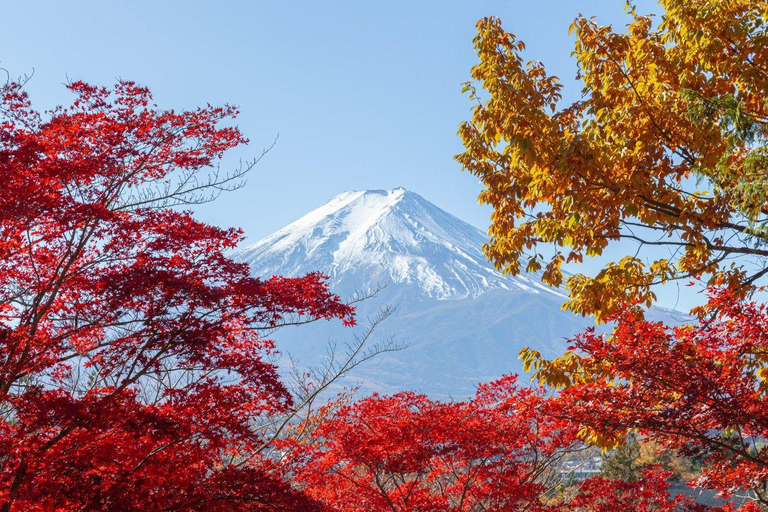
<point x="667" y="147"/>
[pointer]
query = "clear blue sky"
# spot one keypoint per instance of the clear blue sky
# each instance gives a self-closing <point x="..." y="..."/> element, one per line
<point x="363" y="94"/>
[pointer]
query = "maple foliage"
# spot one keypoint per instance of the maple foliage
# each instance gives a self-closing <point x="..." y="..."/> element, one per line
<point x="649" y="493"/>
<point x="133" y="375"/>
<point x="500" y="450"/>
<point x="700" y="390"/>
<point x="667" y="148"/>
<point x="407" y="452"/>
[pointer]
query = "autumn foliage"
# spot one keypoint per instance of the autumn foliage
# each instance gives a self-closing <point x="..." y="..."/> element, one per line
<point x="132" y="372"/>
<point x="666" y="148"/>
<point x="498" y="451"/>
<point x="698" y="390"/>
<point x="134" y="375"/>
<point x="501" y="450"/>
<point x="649" y="493"/>
<point x="665" y="151"/>
<point x="135" y="372"/>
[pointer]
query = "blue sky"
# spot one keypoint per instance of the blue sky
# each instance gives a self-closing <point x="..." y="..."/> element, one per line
<point x="363" y="94"/>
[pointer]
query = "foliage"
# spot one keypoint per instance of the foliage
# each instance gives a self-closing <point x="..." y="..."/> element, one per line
<point x="645" y="494"/>
<point x="132" y="372"/>
<point x="406" y="452"/>
<point x="699" y="390"/>
<point x="666" y="148"/>
<point x="499" y="451"/>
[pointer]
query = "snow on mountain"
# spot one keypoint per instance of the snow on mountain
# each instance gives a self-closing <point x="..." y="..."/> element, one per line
<point x="464" y="322"/>
<point x="364" y="237"/>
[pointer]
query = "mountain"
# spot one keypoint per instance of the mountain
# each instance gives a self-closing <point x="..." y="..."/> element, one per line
<point x="464" y="322"/>
<point x="395" y="236"/>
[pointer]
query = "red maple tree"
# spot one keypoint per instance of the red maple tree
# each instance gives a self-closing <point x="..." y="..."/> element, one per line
<point x="502" y="450"/>
<point x="698" y="389"/>
<point x="406" y="452"/>
<point x="132" y="372"/>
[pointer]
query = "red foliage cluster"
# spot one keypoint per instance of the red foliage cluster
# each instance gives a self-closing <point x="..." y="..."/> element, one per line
<point x="132" y="374"/>
<point x="499" y="451"/>
<point x="650" y="493"/>
<point x="406" y="452"/>
<point x="697" y="389"/>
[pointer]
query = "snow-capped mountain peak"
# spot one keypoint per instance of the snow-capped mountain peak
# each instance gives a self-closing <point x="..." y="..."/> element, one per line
<point x="385" y="236"/>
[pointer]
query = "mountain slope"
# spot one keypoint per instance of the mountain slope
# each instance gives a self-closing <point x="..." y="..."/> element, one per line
<point x="464" y="322"/>
<point x="364" y="237"/>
